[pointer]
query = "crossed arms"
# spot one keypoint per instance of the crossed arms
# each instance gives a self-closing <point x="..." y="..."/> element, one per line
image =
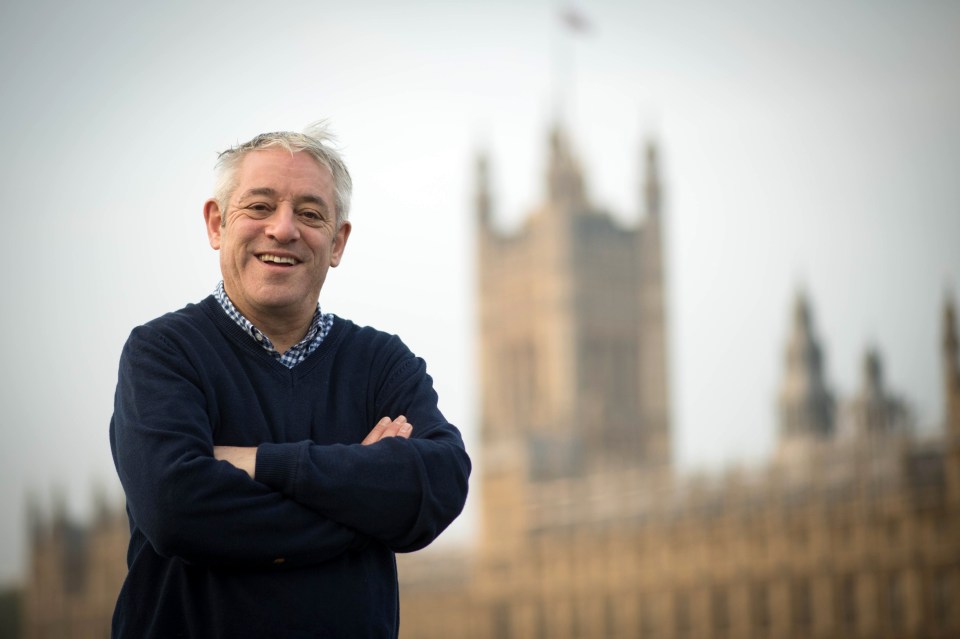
<point x="245" y="457"/>
<point x="303" y="503"/>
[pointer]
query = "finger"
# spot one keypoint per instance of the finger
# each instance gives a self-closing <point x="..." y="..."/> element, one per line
<point x="393" y="428"/>
<point x="404" y="427"/>
<point x="377" y="432"/>
<point x="399" y="428"/>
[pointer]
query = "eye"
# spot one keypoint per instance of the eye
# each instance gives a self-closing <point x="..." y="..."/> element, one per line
<point x="311" y="217"/>
<point x="258" y="209"/>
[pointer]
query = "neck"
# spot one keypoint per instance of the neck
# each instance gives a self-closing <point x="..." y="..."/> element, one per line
<point x="284" y="325"/>
<point x="283" y="332"/>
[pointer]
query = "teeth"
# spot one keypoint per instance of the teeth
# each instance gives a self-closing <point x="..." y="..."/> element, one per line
<point x="276" y="259"/>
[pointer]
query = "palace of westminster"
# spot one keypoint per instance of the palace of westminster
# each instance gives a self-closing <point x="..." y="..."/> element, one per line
<point x="851" y="529"/>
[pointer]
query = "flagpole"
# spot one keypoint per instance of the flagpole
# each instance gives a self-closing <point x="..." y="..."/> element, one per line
<point x="572" y="23"/>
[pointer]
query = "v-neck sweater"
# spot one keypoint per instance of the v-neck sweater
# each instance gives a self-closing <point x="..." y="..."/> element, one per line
<point x="306" y="548"/>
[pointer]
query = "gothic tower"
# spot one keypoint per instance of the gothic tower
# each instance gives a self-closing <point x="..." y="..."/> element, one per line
<point x="572" y="330"/>
<point x="806" y="406"/>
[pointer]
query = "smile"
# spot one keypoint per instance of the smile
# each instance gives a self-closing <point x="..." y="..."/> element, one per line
<point x="276" y="259"/>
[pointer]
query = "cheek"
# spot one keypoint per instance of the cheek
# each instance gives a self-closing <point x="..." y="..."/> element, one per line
<point x="237" y="236"/>
<point x="232" y="252"/>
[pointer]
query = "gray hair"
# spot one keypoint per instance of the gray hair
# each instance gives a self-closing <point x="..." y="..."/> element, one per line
<point x="316" y="139"/>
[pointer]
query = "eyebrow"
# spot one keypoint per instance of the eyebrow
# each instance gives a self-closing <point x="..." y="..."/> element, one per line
<point x="266" y="191"/>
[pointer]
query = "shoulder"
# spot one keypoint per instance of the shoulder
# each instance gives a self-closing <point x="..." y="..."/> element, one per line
<point x="188" y="328"/>
<point x="371" y="347"/>
<point x="191" y="314"/>
<point x="355" y="336"/>
<point x="358" y="335"/>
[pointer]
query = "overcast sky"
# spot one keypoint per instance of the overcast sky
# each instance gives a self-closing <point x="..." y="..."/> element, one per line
<point x="817" y="145"/>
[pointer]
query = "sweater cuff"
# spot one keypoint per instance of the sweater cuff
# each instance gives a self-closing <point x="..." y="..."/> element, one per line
<point x="277" y="465"/>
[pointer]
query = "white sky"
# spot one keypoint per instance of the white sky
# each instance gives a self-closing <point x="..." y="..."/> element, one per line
<point x="818" y="144"/>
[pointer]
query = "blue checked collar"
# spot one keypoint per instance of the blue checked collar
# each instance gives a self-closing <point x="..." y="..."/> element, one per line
<point x="319" y="328"/>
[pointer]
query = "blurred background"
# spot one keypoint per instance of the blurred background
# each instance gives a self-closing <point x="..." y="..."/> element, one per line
<point x="806" y="157"/>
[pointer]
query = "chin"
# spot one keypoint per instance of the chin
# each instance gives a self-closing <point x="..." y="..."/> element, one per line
<point x="284" y="303"/>
<point x="287" y="300"/>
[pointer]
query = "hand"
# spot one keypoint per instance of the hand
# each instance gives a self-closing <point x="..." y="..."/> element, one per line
<point x="387" y="427"/>
<point x="242" y="457"/>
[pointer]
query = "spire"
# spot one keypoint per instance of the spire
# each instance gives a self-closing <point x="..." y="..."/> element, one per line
<point x="482" y="200"/>
<point x="564" y="178"/>
<point x="872" y="375"/>
<point x="101" y="504"/>
<point x="654" y="395"/>
<point x="58" y="499"/>
<point x="874" y="412"/>
<point x="35" y="520"/>
<point x="951" y="344"/>
<point x="652" y="193"/>
<point x="806" y="405"/>
<point x="951" y="401"/>
<point x="951" y="366"/>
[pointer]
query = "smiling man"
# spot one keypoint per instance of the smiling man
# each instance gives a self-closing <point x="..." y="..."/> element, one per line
<point x="275" y="456"/>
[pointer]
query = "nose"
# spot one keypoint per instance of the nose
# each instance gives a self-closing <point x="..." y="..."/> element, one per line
<point x="282" y="226"/>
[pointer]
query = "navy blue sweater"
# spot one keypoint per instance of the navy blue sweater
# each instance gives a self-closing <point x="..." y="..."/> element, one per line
<point x="306" y="549"/>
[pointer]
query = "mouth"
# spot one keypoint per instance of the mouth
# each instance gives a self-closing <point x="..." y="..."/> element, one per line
<point x="279" y="260"/>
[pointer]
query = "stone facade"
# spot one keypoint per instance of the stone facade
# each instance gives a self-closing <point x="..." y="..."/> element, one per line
<point x="851" y="530"/>
<point x="74" y="574"/>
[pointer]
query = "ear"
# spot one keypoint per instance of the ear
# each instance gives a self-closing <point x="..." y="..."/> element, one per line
<point x="339" y="243"/>
<point x="214" y="220"/>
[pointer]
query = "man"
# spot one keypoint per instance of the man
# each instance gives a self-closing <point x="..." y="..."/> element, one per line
<point x="274" y="457"/>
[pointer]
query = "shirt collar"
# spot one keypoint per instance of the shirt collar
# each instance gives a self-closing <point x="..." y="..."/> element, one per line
<point x="319" y="327"/>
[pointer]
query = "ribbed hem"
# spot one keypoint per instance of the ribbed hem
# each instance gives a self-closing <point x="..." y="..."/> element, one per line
<point x="277" y="465"/>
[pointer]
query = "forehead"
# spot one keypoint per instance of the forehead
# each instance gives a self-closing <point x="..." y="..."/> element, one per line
<point x="282" y="171"/>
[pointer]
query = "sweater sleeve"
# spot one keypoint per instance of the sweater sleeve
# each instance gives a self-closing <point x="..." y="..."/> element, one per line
<point x="401" y="492"/>
<point x="186" y="503"/>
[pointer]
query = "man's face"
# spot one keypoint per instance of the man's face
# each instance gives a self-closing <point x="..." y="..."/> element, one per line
<point x="280" y="235"/>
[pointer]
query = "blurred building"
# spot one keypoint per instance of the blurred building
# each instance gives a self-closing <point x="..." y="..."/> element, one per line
<point x="10" y="612"/>
<point x="851" y="530"/>
<point x="74" y="573"/>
